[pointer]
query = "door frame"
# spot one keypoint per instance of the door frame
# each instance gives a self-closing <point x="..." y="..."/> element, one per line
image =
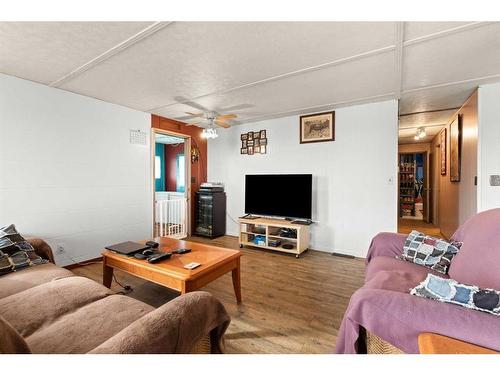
<point x="187" y="158"/>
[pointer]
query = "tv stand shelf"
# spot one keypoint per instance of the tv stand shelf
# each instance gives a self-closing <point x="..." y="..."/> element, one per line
<point x="271" y="230"/>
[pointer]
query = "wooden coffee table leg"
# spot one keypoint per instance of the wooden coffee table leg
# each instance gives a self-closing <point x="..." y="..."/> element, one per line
<point x="237" y="281"/>
<point x="107" y="275"/>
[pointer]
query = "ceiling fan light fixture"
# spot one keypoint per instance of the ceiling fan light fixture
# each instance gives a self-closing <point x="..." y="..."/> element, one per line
<point x="209" y="133"/>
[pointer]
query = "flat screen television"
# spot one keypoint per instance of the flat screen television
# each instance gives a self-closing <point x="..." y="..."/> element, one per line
<point x="283" y="195"/>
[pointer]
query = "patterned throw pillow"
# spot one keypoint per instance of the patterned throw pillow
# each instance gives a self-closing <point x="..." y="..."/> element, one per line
<point x="429" y="252"/>
<point x="15" y="251"/>
<point x="450" y="291"/>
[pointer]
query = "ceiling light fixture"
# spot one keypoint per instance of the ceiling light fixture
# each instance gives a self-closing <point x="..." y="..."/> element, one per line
<point x="209" y="133"/>
<point x="420" y="134"/>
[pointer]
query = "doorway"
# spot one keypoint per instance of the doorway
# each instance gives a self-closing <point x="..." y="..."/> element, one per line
<point x="414" y="186"/>
<point x="171" y="176"/>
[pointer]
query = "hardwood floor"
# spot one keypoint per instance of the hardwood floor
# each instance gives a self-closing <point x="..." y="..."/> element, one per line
<point x="405" y="226"/>
<point x="289" y="305"/>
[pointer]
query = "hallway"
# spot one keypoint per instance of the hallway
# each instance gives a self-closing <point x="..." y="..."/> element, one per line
<point x="405" y="226"/>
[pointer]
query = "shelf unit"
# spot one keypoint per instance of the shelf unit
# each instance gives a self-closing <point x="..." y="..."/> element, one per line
<point x="407" y="172"/>
<point x="268" y="230"/>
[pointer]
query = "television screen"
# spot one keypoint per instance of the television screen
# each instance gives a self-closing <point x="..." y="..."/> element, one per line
<point x="284" y="195"/>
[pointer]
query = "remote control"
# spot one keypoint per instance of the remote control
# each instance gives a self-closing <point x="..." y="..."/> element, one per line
<point x="152" y="244"/>
<point x="182" y="251"/>
<point x="159" y="257"/>
<point x="192" y="265"/>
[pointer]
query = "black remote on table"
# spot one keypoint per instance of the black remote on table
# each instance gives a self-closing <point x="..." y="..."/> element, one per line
<point x="159" y="257"/>
<point x="182" y="251"/>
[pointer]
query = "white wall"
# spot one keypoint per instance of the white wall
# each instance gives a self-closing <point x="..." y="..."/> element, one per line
<point x="353" y="198"/>
<point x="68" y="173"/>
<point x="488" y="146"/>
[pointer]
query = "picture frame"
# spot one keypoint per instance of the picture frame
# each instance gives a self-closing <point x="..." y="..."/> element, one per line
<point x="317" y="127"/>
<point x="455" y="148"/>
<point x="254" y="142"/>
<point x="442" y="146"/>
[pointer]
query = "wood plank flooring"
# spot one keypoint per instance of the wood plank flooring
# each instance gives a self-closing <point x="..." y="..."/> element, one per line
<point x="289" y="305"/>
<point x="405" y="226"/>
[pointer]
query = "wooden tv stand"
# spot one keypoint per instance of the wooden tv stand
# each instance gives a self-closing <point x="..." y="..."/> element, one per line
<point x="269" y="230"/>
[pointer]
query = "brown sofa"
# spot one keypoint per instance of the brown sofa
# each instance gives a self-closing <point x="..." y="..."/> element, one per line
<point x="47" y="309"/>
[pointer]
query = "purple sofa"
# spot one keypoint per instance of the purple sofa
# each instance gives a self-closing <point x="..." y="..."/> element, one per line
<point x="384" y="307"/>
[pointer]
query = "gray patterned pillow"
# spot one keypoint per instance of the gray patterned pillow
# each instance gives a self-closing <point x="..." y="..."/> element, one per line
<point x="430" y="252"/>
<point x="450" y="291"/>
<point x="15" y="251"/>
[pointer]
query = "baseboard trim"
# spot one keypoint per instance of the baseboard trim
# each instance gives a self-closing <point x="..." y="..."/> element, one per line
<point x="343" y="255"/>
<point x="83" y="263"/>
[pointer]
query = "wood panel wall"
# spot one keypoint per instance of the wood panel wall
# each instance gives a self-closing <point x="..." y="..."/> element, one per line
<point x="457" y="201"/>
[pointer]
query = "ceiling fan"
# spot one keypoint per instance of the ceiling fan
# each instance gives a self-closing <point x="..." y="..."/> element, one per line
<point x="213" y="119"/>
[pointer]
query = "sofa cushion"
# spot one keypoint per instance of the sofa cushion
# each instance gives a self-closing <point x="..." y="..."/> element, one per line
<point x="449" y="291"/>
<point x="84" y="329"/>
<point x="383" y="263"/>
<point x="11" y="341"/>
<point x="478" y="261"/>
<point x="42" y="305"/>
<point x="26" y="278"/>
<point x="430" y="252"/>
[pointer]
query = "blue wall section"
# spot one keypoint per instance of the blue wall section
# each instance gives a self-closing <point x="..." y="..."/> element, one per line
<point x="160" y="152"/>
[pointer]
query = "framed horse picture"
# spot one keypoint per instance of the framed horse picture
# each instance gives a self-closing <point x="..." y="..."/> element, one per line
<point x="318" y="127"/>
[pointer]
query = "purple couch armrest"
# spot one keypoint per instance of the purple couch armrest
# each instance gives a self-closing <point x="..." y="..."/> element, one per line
<point x="386" y="244"/>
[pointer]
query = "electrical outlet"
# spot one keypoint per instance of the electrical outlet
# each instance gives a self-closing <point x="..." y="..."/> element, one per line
<point x="60" y="248"/>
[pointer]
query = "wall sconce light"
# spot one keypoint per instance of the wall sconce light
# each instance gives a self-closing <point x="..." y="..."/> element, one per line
<point x="195" y="154"/>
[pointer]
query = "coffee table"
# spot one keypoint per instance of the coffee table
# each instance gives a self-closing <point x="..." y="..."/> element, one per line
<point x="215" y="262"/>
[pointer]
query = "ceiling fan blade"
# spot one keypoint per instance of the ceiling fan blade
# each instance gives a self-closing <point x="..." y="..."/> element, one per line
<point x="201" y="114"/>
<point x="226" y="117"/>
<point x="222" y="124"/>
<point x="183" y="100"/>
<point x="234" y="108"/>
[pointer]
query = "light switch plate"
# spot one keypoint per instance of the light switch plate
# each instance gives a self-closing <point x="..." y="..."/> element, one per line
<point x="494" y="180"/>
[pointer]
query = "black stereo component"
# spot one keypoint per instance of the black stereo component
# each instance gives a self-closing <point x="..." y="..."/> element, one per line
<point x="210" y="214"/>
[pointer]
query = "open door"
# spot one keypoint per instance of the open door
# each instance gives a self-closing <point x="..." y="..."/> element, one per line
<point x="171" y="177"/>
